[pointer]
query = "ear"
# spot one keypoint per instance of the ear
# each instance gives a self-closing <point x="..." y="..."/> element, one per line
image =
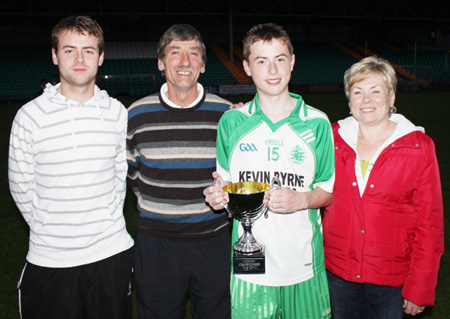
<point x="54" y="57"/>
<point x="392" y="100"/>
<point x="203" y="68"/>
<point x="160" y="65"/>
<point x="292" y="62"/>
<point x="101" y="58"/>
<point x="246" y="68"/>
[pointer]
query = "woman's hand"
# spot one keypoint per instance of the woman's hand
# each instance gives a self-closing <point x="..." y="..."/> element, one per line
<point x="411" y="308"/>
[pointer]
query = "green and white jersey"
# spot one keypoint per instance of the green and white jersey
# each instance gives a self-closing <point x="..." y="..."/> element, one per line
<point x="299" y="150"/>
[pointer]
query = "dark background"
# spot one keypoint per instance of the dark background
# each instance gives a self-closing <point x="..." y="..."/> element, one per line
<point x="397" y="22"/>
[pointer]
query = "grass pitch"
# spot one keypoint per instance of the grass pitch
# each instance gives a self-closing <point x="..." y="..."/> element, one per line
<point x="428" y="109"/>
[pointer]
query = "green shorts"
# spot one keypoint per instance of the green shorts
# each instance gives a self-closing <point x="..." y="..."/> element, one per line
<point x="306" y="300"/>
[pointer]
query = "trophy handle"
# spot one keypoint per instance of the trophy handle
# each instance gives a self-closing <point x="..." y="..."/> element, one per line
<point x="274" y="185"/>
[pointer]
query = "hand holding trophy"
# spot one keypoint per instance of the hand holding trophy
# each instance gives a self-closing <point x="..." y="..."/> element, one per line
<point x="245" y="203"/>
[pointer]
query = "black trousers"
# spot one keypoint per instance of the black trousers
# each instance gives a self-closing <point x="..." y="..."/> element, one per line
<point x="96" y="291"/>
<point x="167" y="270"/>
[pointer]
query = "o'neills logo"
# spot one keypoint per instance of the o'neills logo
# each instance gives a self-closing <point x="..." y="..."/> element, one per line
<point x="274" y="142"/>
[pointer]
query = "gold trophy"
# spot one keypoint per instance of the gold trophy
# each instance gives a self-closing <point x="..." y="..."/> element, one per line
<point x="245" y="203"/>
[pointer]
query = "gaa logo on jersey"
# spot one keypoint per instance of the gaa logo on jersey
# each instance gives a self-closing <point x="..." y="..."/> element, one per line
<point x="247" y="147"/>
<point x="298" y="155"/>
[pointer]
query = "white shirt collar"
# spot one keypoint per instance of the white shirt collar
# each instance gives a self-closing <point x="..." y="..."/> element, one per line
<point x="164" y="90"/>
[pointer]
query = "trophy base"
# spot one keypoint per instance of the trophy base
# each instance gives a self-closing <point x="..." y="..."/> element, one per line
<point x="254" y="263"/>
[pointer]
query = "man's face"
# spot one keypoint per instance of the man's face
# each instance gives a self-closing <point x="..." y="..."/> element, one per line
<point x="77" y="58"/>
<point x="182" y="64"/>
<point x="270" y="65"/>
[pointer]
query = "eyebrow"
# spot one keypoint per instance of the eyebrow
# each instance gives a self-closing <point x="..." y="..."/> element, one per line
<point x="355" y="86"/>
<point x="179" y="47"/>
<point x="74" y="47"/>
<point x="264" y="57"/>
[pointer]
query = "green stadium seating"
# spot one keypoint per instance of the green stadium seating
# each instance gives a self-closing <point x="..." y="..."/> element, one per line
<point x="122" y="74"/>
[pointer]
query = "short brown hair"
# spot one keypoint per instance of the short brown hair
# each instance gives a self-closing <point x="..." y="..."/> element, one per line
<point x="180" y="32"/>
<point x="265" y="32"/>
<point x="80" y="24"/>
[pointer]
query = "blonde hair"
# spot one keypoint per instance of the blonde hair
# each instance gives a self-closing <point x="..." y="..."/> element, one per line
<point x="367" y="66"/>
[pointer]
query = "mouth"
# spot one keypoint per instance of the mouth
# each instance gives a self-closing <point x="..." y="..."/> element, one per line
<point x="184" y="71"/>
<point x="273" y="81"/>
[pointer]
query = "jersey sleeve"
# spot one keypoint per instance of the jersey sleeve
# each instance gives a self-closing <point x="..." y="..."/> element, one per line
<point x="324" y="156"/>
<point x="222" y="148"/>
<point x="228" y="133"/>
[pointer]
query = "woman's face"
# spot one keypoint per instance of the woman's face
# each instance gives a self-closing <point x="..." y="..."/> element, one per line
<point x="369" y="100"/>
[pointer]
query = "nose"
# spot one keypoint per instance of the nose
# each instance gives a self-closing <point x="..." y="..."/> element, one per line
<point x="366" y="97"/>
<point x="80" y="57"/>
<point x="273" y="68"/>
<point x="185" y="59"/>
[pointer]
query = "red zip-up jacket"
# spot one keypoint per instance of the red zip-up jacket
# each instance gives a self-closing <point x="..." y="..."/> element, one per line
<point x="388" y="228"/>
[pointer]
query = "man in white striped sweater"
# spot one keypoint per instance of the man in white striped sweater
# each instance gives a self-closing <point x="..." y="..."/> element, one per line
<point x="67" y="175"/>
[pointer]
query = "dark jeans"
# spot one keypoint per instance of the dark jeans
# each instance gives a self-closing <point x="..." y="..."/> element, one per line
<point x="350" y="300"/>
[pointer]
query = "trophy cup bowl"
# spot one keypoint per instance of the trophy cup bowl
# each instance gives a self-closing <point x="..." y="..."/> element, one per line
<point x="245" y="203"/>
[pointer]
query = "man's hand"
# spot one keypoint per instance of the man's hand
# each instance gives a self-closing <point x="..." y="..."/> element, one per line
<point x="214" y="194"/>
<point x="286" y="200"/>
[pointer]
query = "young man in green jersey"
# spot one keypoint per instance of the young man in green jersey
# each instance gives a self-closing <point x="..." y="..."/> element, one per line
<point x="278" y="134"/>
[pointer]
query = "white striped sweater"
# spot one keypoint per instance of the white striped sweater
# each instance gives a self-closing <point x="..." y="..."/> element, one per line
<point x="67" y="175"/>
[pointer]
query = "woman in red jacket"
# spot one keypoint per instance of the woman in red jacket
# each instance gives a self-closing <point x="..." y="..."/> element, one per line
<point x="384" y="232"/>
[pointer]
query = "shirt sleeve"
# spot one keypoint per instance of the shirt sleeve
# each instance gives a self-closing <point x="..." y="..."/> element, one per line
<point x="132" y="155"/>
<point x="21" y="172"/>
<point x="121" y="157"/>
